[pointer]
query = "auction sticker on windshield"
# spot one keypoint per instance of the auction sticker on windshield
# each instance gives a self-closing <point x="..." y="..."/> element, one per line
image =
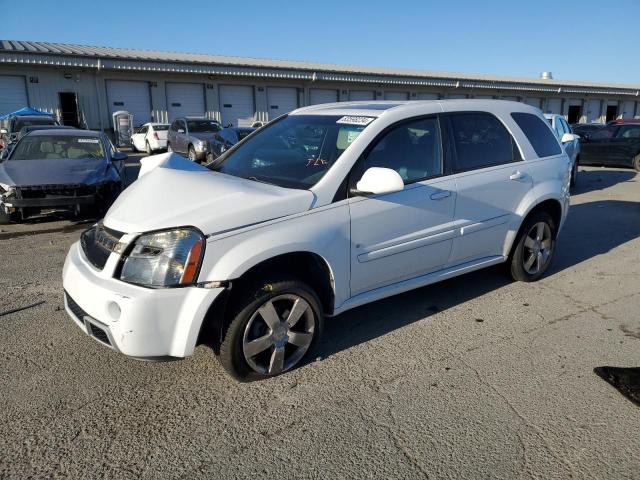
<point x="88" y="140"/>
<point x="352" y="120"/>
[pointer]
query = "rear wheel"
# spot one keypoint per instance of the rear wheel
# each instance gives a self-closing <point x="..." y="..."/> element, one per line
<point x="6" y="218"/>
<point x="271" y="328"/>
<point x="534" y="247"/>
<point x="133" y="147"/>
<point x="148" y="149"/>
<point x="636" y="163"/>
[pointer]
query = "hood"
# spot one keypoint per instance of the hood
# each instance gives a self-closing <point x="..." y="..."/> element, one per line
<point x="55" y="172"/>
<point x="214" y="202"/>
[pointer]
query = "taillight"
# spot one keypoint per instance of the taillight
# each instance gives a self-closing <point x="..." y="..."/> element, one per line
<point x="155" y="135"/>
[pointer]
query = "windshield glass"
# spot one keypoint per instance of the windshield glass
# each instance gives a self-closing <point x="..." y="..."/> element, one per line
<point x="203" y="126"/>
<point x="18" y="124"/>
<point x="56" y="147"/>
<point x="294" y="152"/>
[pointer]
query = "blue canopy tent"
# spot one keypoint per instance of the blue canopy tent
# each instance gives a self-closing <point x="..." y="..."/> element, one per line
<point x="26" y="111"/>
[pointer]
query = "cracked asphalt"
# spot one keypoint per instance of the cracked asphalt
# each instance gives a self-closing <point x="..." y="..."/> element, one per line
<point x="476" y="377"/>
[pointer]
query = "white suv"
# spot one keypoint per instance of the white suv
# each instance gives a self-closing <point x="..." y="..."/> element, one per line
<point x="322" y="210"/>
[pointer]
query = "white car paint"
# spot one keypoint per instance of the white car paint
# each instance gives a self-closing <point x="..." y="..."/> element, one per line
<point x="148" y="133"/>
<point x="569" y="140"/>
<point x="373" y="246"/>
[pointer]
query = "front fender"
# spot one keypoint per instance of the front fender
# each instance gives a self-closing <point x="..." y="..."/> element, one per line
<point x="323" y="231"/>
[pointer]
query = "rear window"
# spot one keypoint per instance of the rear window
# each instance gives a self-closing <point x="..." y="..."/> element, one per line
<point x="161" y="127"/>
<point x="19" y="124"/>
<point x="541" y="137"/>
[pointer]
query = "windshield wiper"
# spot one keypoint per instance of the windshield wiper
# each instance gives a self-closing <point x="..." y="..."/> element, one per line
<point x="256" y="179"/>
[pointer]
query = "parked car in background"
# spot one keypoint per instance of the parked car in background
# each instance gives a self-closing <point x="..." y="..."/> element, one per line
<point x="583" y="128"/>
<point x="190" y="136"/>
<point x="325" y="209"/>
<point x="151" y="137"/>
<point x="73" y="170"/>
<point x="617" y="144"/>
<point x="570" y="141"/>
<point x="225" y="139"/>
<point x="11" y="124"/>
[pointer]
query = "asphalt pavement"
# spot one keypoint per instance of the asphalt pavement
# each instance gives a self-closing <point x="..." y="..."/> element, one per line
<point x="475" y="377"/>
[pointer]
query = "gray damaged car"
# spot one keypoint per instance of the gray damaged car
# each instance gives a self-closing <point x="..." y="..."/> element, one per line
<point x="51" y="170"/>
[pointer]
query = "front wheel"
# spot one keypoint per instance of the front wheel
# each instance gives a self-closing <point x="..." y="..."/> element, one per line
<point x="192" y="154"/>
<point x="636" y="163"/>
<point x="271" y="329"/>
<point x="148" y="149"/>
<point x="574" y="173"/>
<point x="534" y="247"/>
<point x="7" y="218"/>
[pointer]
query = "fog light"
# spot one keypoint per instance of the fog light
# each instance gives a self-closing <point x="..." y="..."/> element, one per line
<point x="114" y="310"/>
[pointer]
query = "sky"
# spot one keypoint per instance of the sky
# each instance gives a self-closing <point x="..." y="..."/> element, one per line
<point x="575" y="39"/>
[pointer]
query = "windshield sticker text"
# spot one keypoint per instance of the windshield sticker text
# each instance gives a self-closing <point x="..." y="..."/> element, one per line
<point x="351" y="120"/>
<point x="88" y="140"/>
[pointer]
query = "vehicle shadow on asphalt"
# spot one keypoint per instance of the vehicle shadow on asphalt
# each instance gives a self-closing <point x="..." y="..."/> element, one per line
<point x="600" y="179"/>
<point x="592" y="229"/>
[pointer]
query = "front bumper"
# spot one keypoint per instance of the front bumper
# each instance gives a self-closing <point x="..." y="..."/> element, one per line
<point x="139" y="322"/>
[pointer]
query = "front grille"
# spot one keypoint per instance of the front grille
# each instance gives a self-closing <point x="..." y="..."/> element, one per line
<point x="97" y="244"/>
<point x="52" y="191"/>
<point x="95" y="331"/>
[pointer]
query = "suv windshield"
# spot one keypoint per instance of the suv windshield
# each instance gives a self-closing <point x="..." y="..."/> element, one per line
<point x="203" y="126"/>
<point x="294" y="152"/>
<point x="57" y="147"/>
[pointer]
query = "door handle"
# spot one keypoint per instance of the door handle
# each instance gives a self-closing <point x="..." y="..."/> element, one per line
<point x="516" y="175"/>
<point x="441" y="195"/>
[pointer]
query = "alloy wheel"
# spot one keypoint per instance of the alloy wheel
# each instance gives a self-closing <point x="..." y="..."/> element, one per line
<point x="537" y="244"/>
<point x="278" y="334"/>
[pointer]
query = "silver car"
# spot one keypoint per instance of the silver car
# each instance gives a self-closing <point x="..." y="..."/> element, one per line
<point x="190" y="136"/>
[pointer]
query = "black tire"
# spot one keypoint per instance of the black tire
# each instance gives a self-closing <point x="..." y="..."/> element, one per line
<point x="148" y="149"/>
<point x="191" y="154"/>
<point x="133" y="147"/>
<point x="521" y="253"/>
<point x="169" y="150"/>
<point x="7" y="218"/>
<point x="636" y="163"/>
<point x="244" y="309"/>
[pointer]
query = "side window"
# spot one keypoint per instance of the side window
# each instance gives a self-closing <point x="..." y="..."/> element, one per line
<point x="629" y="131"/>
<point x="174" y="126"/>
<point x="539" y="134"/>
<point x="412" y="149"/>
<point x="558" y="128"/>
<point x="604" y="133"/>
<point x="481" y="140"/>
<point x="182" y="124"/>
<point x="143" y="130"/>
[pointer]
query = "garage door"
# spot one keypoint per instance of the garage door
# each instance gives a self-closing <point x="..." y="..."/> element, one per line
<point x="131" y="96"/>
<point x="454" y="96"/>
<point x="628" y="109"/>
<point x="554" y="105"/>
<point x="428" y="96"/>
<point x="185" y="99"/>
<point x="355" y="95"/>
<point x="533" y="101"/>
<point x="396" y="95"/>
<point x="237" y="106"/>
<point x="484" y="97"/>
<point x="593" y="110"/>
<point x="321" y="95"/>
<point x="13" y="94"/>
<point x="281" y="100"/>
<point x="513" y="99"/>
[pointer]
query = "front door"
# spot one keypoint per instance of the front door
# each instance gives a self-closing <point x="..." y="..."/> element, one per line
<point x="402" y="235"/>
<point x="595" y="146"/>
<point x="624" y="146"/>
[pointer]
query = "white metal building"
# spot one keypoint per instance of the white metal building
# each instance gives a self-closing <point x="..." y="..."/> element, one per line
<point x="83" y="85"/>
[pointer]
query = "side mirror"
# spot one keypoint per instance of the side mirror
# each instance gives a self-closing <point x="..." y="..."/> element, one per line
<point x="568" y="137"/>
<point x="180" y="130"/>
<point x="377" y="180"/>
<point x="118" y="156"/>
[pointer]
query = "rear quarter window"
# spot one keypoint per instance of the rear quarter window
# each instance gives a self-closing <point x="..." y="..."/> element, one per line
<point x="541" y="137"/>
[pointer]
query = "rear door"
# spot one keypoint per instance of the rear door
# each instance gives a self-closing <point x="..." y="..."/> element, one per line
<point x="181" y="136"/>
<point x="402" y="235"/>
<point x="625" y="145"/>
<point x="491" y="180"/>
<point x="595" y="146"/>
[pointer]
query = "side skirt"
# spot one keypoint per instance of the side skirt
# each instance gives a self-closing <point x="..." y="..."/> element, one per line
<point x="417" y="282"/>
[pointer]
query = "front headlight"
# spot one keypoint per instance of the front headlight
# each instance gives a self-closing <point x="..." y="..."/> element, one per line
<point x="165" y="259"/>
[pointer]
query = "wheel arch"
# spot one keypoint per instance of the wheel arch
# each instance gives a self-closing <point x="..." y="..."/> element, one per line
<point x="551" y="205"/>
